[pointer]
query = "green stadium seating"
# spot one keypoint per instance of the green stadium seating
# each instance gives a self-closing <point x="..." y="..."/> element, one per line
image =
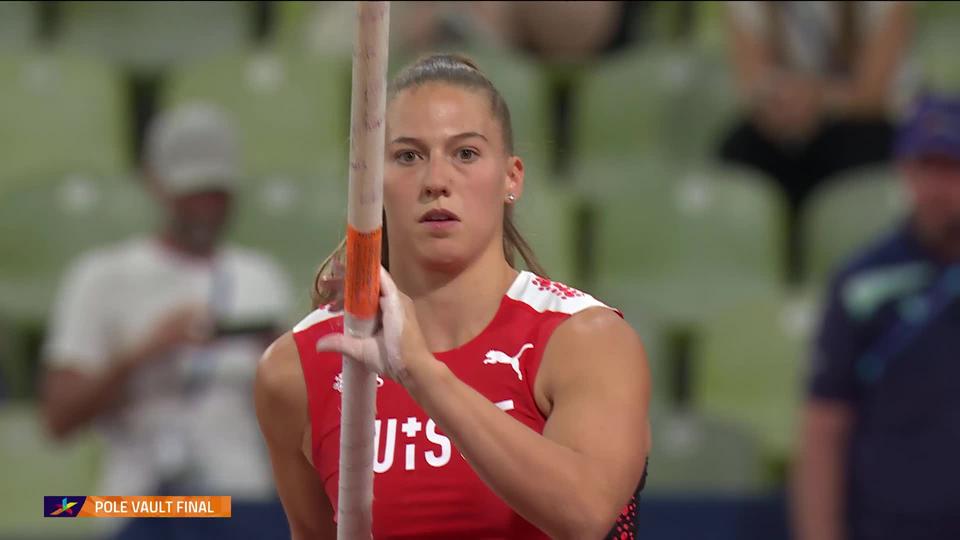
<point x="710" y="29"/>
<point x="545" y="217"/>
<point x="935" y="48"/>
<point x="680" y="246"/>
<point x="315" y="28"/>
<point x="845" y="215"/>
<point x="667" y="101"/>
<point x="59" y="113"/>
<point x="298" y="220"/>
<point x="292" y="113"/>
<point x="15" y="373"/>
<point x="36" y="466"/>
<point x="749" y="366"/>
<point x="46" y="223"/>
<point x="18" y="25"/>
<point x="149" y="36"/>
<point x="696" y="454"/>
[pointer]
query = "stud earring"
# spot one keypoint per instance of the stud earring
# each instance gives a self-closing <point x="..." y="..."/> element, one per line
<point x="511" y="198"/>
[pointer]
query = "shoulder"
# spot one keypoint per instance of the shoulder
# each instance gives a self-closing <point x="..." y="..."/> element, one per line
<point x="279" y="390"/>
<point x="280" y="366"/>
<point x="595" y="329"/>
<point x="102" y="265"/>
<point x="889" y="266"/>
<point x="321" y="320"/>
<point x="254" y="263"/>
<point x="545" y="296"/>
<point x="593" y="351"/>
<point x="893" y="247"/>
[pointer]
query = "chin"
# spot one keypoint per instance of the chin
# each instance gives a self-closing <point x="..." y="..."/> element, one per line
<point x="440" y="258"/>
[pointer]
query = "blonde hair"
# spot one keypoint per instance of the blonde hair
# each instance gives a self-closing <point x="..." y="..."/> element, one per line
<point x="456" y="70"/>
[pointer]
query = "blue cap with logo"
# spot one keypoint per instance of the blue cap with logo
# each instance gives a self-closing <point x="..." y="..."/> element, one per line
<point x="932" y="127"/>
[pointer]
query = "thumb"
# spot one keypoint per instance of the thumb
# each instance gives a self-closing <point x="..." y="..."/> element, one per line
<point x="343" y="344"/>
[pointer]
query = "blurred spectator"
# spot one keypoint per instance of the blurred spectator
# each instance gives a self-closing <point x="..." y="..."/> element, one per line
<point x="568" y="31"/>
<point x="564" y="31"/>
<point x="817" y="79"/>
<point x="155" y="340"/>
<point x="881" y="433"/>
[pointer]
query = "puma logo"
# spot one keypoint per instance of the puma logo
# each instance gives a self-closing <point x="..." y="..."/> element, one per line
<point x="497" y="357"/>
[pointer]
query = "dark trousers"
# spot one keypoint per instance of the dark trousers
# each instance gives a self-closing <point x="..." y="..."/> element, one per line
<point x="799" y="169"/>
<point x="249" y="521"/>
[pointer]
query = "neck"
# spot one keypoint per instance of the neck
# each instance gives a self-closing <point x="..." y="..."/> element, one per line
<point x="175" y="244"/>
<point x="454" y="305"/>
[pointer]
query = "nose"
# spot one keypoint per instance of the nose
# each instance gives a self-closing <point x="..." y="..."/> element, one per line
<point x="437" y="181"/>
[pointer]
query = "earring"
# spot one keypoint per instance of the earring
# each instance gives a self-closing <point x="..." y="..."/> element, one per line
<point x="511" y="198"/>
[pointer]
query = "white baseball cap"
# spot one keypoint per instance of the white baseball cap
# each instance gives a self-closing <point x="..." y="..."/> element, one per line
<point x="191" y="148"/>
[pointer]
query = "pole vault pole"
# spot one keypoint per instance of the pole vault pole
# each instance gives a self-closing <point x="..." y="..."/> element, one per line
<point x="362" y="280"/>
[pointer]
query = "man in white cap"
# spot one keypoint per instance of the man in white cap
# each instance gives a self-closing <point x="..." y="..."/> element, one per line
<point x="155" y="340"/>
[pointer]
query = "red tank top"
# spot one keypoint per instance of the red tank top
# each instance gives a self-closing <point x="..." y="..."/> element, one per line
<point x="423" y="487"/>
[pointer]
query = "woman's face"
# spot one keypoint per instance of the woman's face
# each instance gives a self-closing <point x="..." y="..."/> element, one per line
<point x="447" y="175"/>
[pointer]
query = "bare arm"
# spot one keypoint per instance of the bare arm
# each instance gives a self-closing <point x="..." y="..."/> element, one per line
<point x="72" y="398"/>
<point x="866" y="92"/>
<point x="752" y="60"/>
<point x="281" y="402"/>
<point x="819" y="482"/>
<point x="572" y="481"/>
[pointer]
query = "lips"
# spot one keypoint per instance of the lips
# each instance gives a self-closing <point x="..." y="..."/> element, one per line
<point x="438" y="215"/>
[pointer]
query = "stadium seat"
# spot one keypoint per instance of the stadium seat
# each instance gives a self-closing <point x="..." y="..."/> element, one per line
<point x="696" y="454"/>
<point x="680" y="246"/>
<point x="59" y="113"/>
<point x="15" y="369"/>
<point x="36" y="466"/>
<point x="749" y="365"/>
<point x="669" y="102"/>
<point x="934" y="48"/>
<point x="292" y="113"/>
<point x="545" y="218"/>
<point x="315" y="28"/>
<point x="845" y="215"/>
<point x="18" y="25"/>
<point x="44" y="224"/>
<point x="297" y="220"/>
<point x="149" y="36"/>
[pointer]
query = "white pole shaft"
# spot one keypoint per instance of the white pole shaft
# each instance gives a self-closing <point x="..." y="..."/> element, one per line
<point x="364" y="218"/>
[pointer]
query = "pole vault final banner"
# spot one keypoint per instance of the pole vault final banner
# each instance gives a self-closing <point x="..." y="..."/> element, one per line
<point x="149" y="507"/>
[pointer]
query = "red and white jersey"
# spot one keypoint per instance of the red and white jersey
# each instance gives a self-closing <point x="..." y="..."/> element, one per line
<point x="423" y="487"/>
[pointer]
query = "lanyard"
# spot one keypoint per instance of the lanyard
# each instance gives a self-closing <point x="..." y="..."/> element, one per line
<point x="938" y="297"/>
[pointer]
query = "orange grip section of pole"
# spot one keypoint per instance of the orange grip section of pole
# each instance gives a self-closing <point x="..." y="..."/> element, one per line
<point x="362" y="284"/>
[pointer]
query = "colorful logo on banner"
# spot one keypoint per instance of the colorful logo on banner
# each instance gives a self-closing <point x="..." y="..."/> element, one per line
<point x="62" y="506"/>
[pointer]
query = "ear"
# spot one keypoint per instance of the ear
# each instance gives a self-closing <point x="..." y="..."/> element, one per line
<point x="513" y="180"/>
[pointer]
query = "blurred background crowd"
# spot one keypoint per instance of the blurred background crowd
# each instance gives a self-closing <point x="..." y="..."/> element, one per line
<point x="736" y="176"/>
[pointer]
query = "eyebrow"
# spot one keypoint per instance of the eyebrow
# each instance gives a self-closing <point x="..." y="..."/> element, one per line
<point x="414" y="141"/>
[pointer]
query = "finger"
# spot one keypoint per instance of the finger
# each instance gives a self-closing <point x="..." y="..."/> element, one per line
<point x="340" y="343"/>
<point x="387" y="286"/>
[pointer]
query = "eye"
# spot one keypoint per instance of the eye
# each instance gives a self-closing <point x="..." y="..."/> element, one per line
<point x="406" y="156"/>
<point x="467" y="154"/>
